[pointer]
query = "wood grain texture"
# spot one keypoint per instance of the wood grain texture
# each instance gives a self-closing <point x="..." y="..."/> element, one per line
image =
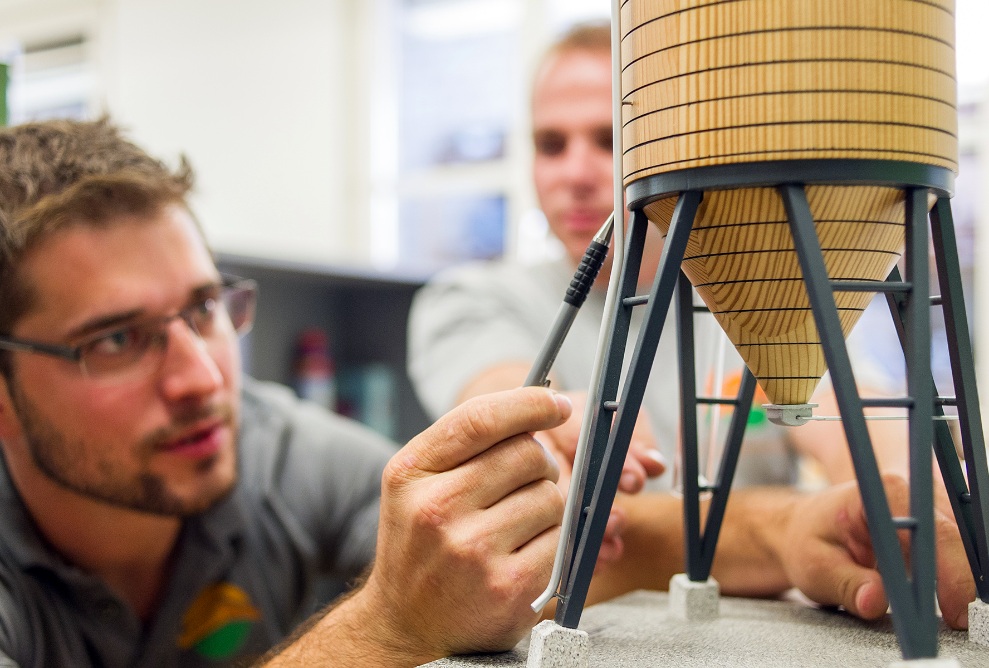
<point x="740" y="258"/>
<point x="713" y="83"/>
<point x="636" y="12"/>
<point x="646" y="96"/>
<point x="739" y="82"/>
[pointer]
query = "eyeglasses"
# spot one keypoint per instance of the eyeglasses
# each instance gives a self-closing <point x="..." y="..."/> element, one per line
<point x="118" y="352"/>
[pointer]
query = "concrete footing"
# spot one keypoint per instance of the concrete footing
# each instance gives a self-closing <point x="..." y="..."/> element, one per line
<point x="555" y="646"/>
<point x="978" y="622"/>
<point x="694" y="601"/>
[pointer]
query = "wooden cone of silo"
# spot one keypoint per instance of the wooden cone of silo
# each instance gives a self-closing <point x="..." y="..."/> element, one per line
<point x="709" y="83"/>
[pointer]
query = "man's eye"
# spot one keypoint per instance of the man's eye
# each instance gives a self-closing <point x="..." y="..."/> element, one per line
<point x="549" y="144"/>
<point x="204" y="311"/>
<point x="604" y="139"/>
<point x="116" y="343"/>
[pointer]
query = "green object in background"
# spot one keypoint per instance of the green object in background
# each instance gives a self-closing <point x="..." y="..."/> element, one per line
<point x="3" y="94"/>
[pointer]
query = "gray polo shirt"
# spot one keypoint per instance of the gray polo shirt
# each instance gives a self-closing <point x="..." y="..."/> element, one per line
<point x="481" y="314"/>
<point x="306" y="506"/>
<point x="477" y="315"/>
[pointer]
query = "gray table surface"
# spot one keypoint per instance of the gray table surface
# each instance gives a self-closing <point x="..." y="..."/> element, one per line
<point x="636" y="630"/>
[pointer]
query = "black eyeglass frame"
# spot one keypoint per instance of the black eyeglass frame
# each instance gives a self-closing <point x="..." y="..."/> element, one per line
<point x="74" y="353"/>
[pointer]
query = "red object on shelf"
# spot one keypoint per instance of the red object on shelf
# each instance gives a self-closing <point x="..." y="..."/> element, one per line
<point x="314" y="371"/>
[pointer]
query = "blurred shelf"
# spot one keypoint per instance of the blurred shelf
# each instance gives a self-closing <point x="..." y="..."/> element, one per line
<point x="363" y="312"/>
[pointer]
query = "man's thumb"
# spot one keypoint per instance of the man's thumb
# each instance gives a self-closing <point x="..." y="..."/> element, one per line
<point x="868" y="598"/>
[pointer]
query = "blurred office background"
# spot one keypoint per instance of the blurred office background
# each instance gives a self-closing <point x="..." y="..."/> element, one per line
<point x="346" y="149"/>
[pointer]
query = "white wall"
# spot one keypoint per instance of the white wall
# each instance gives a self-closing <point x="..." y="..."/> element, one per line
<point x="255" y="92"/>
<point x="258" y="93"/>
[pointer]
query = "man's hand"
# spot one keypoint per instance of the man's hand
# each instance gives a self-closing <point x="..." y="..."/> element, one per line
<point x="643" y="461"/>
<point x="470" y="516"/>
<point x="470" y="519"/>
<point x="827" y="553"/>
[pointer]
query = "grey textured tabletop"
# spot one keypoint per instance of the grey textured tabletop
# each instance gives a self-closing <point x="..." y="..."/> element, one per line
<point x="637" y="630"/>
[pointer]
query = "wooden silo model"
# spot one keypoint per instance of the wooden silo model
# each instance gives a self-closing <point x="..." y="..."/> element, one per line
<point x="713" y="83"/>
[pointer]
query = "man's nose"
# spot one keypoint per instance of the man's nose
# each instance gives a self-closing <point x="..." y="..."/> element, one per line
<point x="188" y="368"/>
<point x="578" y="162"/>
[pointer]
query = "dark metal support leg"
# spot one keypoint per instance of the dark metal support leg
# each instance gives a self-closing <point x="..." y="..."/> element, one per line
<point x="947" y="457"/>
<point x="726" y="473"/>
<point x="605" y="484"/>
<point x="915" y="625"/>
<point x="688" y="432"/>
<point x="699" y="546"/>
<point x="963" y="374"/>
<point x="919" y="386"/>
<point x="607" y="390"/>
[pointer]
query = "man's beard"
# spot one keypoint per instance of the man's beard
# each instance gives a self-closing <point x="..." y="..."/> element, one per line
<point x="60" y="459"/>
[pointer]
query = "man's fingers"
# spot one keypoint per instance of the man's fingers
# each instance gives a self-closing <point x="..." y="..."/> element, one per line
<point x="644" y="459"/>
<point x="533" y="564"/>
<point x="653" y="462"/>
<point x="955" y="585"/>
<point x="827" y="558"/>
<point x="612" y="545"/>
<point x="521" y="516"/>
<point x="500" y="470"/>
<point x="869" y="601"/>
<point x="479" y="423"/>
<point x="840" y="581"/>
<point x="641" y="463"/>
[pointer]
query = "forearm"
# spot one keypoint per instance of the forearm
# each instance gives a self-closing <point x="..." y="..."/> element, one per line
<point x="354" y="632"/>
<point x="653" y="547"/>
<point x="748" y="560"/>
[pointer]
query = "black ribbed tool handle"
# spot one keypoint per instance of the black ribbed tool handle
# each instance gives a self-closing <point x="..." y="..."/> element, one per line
<point x="586" y="273"/>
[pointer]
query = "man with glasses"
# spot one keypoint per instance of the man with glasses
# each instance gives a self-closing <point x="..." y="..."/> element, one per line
<point x="161" y="510"/>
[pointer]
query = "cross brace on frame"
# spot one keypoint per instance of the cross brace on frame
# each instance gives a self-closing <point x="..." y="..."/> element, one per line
<point x="910" y="590"/>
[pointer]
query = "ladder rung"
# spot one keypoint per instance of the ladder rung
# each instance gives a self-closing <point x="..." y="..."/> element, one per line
<point x="717" y="401"/>
<point x="871" y="286"/>
<point x="636" y="300"/>
<point x="905" y="522"/>
<point x="889" y="402"/>
<point x="610" y="405"/>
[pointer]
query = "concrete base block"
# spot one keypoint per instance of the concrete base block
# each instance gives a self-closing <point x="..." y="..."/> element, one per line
<point x="978" y="622"/>
<point x="694" y="601"/>
<point x="939" y="662"/>
<point x="555" y="646"/>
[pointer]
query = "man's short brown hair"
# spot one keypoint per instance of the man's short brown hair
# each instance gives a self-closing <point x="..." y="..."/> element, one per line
<point x="62" y="173"/>
<point x="593" y="36"/>
<point x="588" y="36"/>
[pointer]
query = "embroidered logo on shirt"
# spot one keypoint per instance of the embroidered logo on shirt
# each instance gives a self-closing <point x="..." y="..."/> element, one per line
<point x="218" y="621"/>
